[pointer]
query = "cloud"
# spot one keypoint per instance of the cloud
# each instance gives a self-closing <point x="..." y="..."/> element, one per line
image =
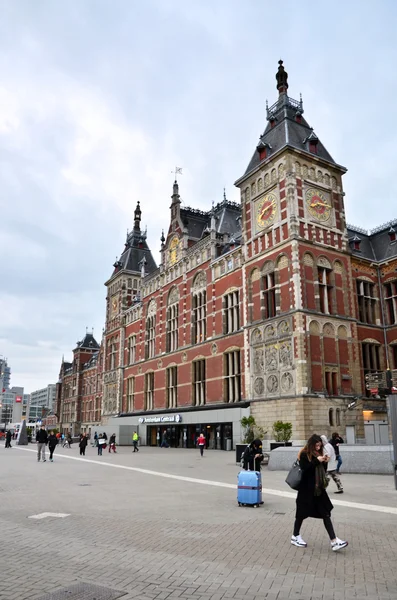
<point x="99" y="101"/>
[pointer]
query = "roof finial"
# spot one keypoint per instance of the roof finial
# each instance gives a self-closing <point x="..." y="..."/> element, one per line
<point x="282" y="78"/>
<point x="137" y="217"/>
<point x="224" y="195"/>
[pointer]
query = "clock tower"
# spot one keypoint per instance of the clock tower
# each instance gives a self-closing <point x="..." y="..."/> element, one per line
<point x="123" y="291"/>
<point x="299" y="338"/>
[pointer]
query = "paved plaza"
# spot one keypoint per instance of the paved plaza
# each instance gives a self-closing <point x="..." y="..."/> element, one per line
<point x="164" y="524"/>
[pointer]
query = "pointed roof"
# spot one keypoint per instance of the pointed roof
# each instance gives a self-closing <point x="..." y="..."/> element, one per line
<point x="87" y="343"/>
<point x="286" y="128"/>
<point x="135" y="249"/>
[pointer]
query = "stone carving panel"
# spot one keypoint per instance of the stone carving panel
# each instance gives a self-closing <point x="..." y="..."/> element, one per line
<point x="272" y="360"/>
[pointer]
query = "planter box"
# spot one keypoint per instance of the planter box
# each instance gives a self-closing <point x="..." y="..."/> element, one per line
<point x="274" y="445"/>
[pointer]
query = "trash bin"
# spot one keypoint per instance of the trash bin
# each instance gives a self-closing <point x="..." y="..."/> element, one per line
<point x="228" y="444"/>
<point x="239" y="451"/>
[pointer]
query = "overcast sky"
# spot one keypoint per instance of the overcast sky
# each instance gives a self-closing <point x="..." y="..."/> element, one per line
<point x="100" y="99"/>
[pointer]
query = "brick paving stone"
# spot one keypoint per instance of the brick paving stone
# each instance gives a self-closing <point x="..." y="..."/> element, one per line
<point x="164" y="539"/>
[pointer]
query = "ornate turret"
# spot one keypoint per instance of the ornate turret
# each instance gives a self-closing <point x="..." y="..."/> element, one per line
<point x="282" y="79"/>
<point x="137" y="217"/>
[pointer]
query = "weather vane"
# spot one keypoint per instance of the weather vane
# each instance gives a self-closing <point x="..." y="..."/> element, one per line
<point x="178" y="171"/>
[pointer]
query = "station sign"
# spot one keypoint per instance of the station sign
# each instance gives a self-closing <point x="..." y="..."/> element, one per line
<point x="160" y="419"/>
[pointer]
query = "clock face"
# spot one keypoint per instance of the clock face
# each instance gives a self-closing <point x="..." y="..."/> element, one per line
<point x="174" y="250"/>
<point x="318" y="205"/>
<point x="266" y="210"/>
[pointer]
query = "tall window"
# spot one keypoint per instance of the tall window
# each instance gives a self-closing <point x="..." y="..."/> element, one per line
<point x="149" y="391"/>
<point x="199" y="328"/>
<point x="113" y="351"/>
<point x="232" y="376"/>
<point x="198" y="382"/>
<point x="150" y="349"/>
<point x="331" y="382"/>
<point x="131" y="349"/>
<point x="269" y="296"/>
<point x="172" y="326"/>
<point x="391" y="302"/>
<point x="231" y="310"/>
<point x="366" y="301"/>
<point x="325" y="289"/>
<point x="130" y="393"/>
<point x="371" y="357"/>
<point x="172" y="383"/>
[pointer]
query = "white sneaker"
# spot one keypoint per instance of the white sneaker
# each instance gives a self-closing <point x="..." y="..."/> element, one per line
<point x="338" y="544"/>
<point x="297" y="540"/>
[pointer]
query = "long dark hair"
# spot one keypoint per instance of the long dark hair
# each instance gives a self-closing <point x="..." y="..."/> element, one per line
<point x="310" y="447"/>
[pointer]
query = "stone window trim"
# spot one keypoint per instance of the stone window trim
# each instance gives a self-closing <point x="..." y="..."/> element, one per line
<point x="325" y="285"/>
<point x="331" y="381"/>
<point x="231" y="312"/>
<point x="232" y="376"/>
<point x="199" y="382"/>
<point x="199" y="316"/>
<point x="390" y="296"/>
<point x="367" y="301"/>
<point x="131" y="349"/>
<point x="172" y="321"/>
<point x="149" y="391"/>
<point x="172" y="386"/>
<point x="150" y="337"/>
<point x="130" y="394"/>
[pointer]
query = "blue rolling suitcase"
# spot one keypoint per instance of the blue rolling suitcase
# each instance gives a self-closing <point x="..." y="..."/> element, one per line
<point x="249" y="488"/>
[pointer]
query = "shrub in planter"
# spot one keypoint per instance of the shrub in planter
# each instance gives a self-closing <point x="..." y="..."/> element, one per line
<point x="251" y="431"/>
<point x="282" y="432"/>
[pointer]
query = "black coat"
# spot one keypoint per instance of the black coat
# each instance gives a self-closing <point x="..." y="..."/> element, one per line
<point x="8" y="436"/>
<point x="42" y="436"/>
<point x="83" y="442"/>
<point x="307" y="504"/>
<point x="52" y="441"/>
<point x="335" y="443"/>
<point x="249" y="460"/>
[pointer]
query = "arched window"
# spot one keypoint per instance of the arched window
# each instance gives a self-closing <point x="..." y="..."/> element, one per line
<point x="150" y="346"/>
<point x="331" y="417"/>
<point x="199" y="308"/>
<point x="337" y="417"/>
<point x="325" y="285"/>
<point x="268" y="291"/>
<point x="172" y="320"/>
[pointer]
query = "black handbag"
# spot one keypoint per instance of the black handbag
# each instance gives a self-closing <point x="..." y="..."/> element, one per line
<point x="294" y="477"/>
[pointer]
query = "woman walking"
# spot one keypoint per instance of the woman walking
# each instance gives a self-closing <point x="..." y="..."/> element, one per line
<point x="312" y="500"/>
<point x="52" y="444"/>
<point x="83" y="444"/>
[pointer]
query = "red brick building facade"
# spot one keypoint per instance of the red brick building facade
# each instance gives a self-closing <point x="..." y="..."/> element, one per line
<point x="272" y="307"/>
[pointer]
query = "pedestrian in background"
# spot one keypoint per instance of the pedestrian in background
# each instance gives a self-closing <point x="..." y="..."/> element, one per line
<point x="101" y="443"/>
<point x="135" y="438"/>
<point x="201" y="443"/>
<point x="312" y="499"/>
<point x="336" y="439"/>
<point x="112" y="442"/>
<point x="8" y="439"/>
<point x="52" y="444"/>
<point x="83" y="444"/>
<point x="330" y="470"/>
<point x="41" y="439"/>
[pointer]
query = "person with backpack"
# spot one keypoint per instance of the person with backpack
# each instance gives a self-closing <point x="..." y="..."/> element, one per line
<point x="253" y="456"/>
<point x="312" y="499"/>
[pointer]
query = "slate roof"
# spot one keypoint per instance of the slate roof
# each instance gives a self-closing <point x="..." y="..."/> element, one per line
<point x="287" y="131"/>
<point x="88" y="342"/>
<point x="92" y="362"/>
<point x="226" y="215"/>
<point x="135" y="250"/>
<point x="375" y="245"/>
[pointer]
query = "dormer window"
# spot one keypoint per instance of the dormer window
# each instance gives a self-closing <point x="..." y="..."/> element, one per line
<point x="313" y="147"/>
<point x="272" y="122"/>
<point x="263" y="154"/>
<point x="392" y="234"/>
<point x="355" y="243"/>
<point x="298" y="117"/>
<point x="263" y="149"/>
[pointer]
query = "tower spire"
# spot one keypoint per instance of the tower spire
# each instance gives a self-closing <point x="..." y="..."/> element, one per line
<point x="282" y="78"/>
<point x="137" y="217"/>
